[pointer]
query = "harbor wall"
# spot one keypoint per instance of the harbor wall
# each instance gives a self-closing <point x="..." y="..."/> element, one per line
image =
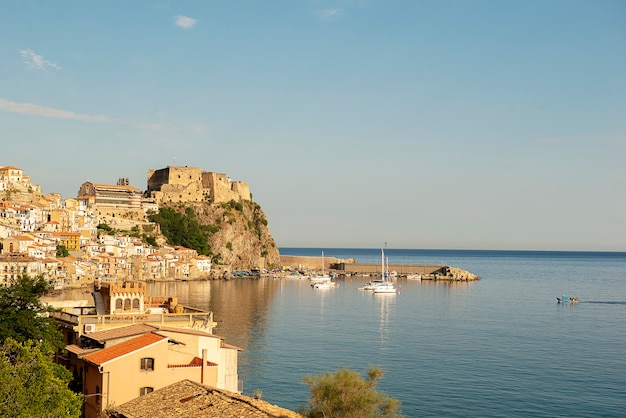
<point x="350" y="267"/>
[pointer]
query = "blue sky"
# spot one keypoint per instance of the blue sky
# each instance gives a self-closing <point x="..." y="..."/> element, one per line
<point x="422" y="124"/>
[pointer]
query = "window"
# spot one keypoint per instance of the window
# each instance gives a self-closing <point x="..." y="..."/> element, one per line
<point x="147" y="363"/>
<point x="145" y="390"/>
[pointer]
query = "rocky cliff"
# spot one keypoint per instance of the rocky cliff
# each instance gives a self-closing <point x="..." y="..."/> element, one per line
<point x="239" y="235"/>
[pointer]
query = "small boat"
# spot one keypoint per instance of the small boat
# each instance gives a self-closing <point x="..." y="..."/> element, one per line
<point x="324" y="285"/>
<point x="296" y="276"/>
<point x="414" y="276"/>
<point x="386" y="286"/>
<point x="371" y="284"/>
<point x="317" y="278"/>
<point x="566" y="299"/>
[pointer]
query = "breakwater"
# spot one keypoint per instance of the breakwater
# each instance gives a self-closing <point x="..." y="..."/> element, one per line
<point x="351" y="267"/>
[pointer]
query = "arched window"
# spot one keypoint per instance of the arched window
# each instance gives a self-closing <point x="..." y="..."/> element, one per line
<point x="118" y="304"/>
<point x="127" y="304"/>
<point x="135" y="304"/>
<point x="145" y="390"/>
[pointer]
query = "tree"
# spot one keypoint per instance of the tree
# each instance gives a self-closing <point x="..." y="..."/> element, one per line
<point x="345" y="394"/>
<point x="33" y="385"/>
<point x="23" y="316"/>
<point x="183" y="229"/>
<point x="62" y="251"/>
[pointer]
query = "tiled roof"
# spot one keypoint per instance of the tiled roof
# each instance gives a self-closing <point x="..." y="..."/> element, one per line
<point x="73" y="348"/>
<point x="196" y="362"/>
<point x="190" y="399"/>
<point x="189" y="331"/>
<point x="107" y="354"/>
<point x="114" y="186"/>
<point x="120" y="332"/>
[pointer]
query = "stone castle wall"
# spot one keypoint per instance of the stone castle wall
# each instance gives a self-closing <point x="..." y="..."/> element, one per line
<point x="191" y="184"/>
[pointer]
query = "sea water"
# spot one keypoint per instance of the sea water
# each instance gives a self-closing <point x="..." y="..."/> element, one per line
<point x="498" y="347"/>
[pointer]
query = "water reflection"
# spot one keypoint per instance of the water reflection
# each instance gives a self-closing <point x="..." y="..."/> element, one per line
<point x="386" y="302"/>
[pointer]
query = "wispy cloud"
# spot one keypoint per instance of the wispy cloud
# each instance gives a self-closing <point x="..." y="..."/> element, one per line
<point x="36" y="61"/>
<point x="329" y="14"/>
<point x="185" y="22"/>
<point x="49" y="112"/>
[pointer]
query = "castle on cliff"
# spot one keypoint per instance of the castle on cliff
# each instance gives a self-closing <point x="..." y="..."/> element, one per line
<point x="191" y="184"/>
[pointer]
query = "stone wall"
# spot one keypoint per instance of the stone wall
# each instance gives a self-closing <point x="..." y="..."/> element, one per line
<point x="191" y="184"/>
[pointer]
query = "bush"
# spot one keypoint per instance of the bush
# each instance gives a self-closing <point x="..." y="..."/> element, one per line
<point x="345" y="394"/>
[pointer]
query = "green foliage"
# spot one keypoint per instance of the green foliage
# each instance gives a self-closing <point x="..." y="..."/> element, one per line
<point x="32" y="385"/>
<point x="238" y="206"/>
<point x="229" y="245"/>
<point x="106" y="228"/>
<point x="345" y="394"/>
<point x="211" y="229"/>
<point x="21" y="313"/>
<point x="182" y="229"/>
<point x="62" y="251"/>
<point x="150" y="240"/>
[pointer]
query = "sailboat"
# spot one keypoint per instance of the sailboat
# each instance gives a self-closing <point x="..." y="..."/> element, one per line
<point x="385" y="286"/>
<point x="317" y="278"/>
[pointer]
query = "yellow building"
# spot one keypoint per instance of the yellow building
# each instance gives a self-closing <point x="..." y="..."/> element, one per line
<point x="71" y="240"/>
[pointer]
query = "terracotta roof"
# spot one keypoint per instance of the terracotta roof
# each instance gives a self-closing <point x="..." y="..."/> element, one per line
<point x="120" y="332"/>
<point x="190" y="399"/>
<point x="107" y="354"/>
<point x="196" y="362"/>
<point x="22" y="238"/>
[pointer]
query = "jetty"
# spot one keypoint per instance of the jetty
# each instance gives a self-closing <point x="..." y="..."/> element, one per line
<point x="350" y="267"/>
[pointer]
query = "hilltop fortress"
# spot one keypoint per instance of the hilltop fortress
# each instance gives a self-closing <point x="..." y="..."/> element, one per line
<point x="121" y="204"/>
<point x="190" y="184"/>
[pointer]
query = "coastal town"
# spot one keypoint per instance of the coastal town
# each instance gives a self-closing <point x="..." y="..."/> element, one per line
<point x="128" y="347"/>
<point x="74" y="241"/>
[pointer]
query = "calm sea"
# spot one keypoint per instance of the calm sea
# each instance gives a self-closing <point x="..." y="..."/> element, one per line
<point x="498" y="347"/>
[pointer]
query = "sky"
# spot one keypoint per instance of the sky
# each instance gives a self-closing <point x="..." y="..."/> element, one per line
<point x="441" y="124"/>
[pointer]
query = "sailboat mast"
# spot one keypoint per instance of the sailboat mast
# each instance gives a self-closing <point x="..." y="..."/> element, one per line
<point x="382" y="264"/>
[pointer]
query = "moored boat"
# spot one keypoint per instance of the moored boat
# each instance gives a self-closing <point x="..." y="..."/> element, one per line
<point x="371" y="284"/>
<point x="320" y="278"/>
<point x="324" y="285"/>
<point x="386" y="286"/>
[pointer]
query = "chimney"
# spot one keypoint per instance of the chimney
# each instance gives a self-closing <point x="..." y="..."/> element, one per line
<point x="203" y="372"/>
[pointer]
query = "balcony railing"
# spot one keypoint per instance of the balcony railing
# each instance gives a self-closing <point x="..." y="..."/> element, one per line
<point x="193" y="319"/>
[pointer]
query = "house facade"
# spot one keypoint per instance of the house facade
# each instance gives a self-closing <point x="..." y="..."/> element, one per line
<point x="117" y="365"/>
